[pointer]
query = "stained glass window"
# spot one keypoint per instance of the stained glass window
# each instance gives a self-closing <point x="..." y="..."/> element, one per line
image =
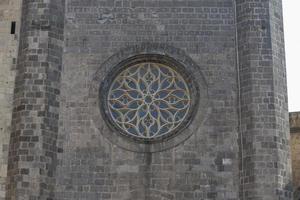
<point x="148" y="100"/>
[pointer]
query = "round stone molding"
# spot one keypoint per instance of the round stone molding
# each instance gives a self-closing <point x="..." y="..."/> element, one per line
<point x="146" y="100"/>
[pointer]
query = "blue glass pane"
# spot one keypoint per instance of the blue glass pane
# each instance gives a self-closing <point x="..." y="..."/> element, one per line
<point x="134" y="94"/>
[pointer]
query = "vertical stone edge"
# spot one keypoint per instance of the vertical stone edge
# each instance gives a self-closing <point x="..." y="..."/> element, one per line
<point x="284" y="179"/>
<point x="33" y="150"/>
<point x="265" y="159"/>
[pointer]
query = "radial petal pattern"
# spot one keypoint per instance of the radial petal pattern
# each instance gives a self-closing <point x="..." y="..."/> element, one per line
<point x="148" y="100"/>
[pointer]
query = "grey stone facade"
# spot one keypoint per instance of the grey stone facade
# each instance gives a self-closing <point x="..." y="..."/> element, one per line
<point x="9" y="13"/>
<point x="235" y="147"/>
<point x="32" y="157"/>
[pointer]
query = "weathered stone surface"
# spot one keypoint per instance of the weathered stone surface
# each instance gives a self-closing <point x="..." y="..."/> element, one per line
<point x="238" y="144"/>
<point x="92" y="167"/>
<point x="264" y="133"/>
<point x="32" y="156"/>
<point x="9" y="12"/>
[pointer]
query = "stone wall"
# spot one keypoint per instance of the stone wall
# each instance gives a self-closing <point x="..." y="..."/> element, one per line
<point x="295" y="151"/>
<point x="264" y="130"/>
<point x="9" y="12"/>
<point x="32" y="156"/>
<point x="236" y="146"/>
<point x="98" y="36"/>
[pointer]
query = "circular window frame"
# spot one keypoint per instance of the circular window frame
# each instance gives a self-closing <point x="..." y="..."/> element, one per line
<point x="148" y="58"/>
<point x="95" y="100"/>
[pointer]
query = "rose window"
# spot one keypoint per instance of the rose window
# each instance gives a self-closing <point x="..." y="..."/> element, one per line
<point x="148" y="100"/>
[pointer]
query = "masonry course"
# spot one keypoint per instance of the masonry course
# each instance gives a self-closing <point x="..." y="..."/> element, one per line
<point x="237" y="146"/>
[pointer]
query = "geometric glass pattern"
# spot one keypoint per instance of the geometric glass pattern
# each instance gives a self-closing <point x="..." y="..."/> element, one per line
<point x="148" y="100"/>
